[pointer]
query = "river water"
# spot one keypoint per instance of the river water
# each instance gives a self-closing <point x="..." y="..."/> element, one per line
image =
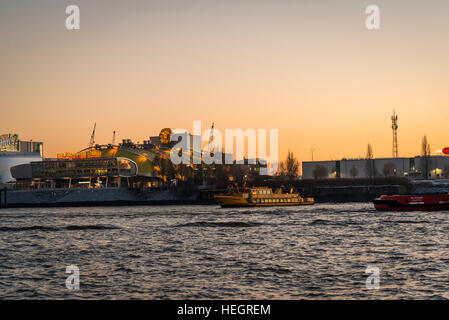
<point x="205" y="252"/>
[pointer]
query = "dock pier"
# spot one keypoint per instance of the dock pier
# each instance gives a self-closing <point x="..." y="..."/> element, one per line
<point x="4" y="198"/>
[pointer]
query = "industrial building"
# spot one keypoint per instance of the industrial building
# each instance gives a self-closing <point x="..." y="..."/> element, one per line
<point x="15" y="152"/>
<point x="419" y="167"/>
<point x="437" y="167"/>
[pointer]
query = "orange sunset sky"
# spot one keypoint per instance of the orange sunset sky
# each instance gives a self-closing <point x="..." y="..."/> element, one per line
<point x="308" y="68"/>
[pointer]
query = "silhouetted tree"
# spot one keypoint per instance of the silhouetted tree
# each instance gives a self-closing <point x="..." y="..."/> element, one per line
<point x="291" y="165"/>
<point x="446" y="172"/>
<point x="320" y="172"/>
<point x="369" y="163"/>
<point x="425" y="157"/>
<point x="389" y="169"/>
<point x="354" y="172"/>
<point x="281" y="172"/>
<point x="288" y="168"/>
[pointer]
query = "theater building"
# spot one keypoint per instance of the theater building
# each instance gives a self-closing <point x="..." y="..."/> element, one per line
<point x="13" y="152"/>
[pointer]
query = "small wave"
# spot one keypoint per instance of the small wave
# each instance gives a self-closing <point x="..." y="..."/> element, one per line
<point x="319" y="221"/>
<point x="124" y="269"/>
<point x="45" y="228"/>
<point x="272" y="269"/>
<point x="231" y="224"/>
<point x="332" y="223"/>
<point x="91" y="227"/>
<point x="407" y="221"/>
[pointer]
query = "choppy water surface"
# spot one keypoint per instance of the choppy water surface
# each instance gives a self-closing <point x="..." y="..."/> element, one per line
<point x="205" y="252"/>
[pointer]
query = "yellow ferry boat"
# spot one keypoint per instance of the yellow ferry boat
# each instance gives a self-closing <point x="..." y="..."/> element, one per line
<point x="260" y="197"/>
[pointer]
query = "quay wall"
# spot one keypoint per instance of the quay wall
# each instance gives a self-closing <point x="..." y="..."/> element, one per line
<point x="123" y="196"/>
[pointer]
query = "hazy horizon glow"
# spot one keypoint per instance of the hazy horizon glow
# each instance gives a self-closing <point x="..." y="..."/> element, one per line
<point x="308" y="68"/>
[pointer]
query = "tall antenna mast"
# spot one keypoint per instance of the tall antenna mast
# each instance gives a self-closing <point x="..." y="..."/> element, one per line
<point x="394" y="126"/>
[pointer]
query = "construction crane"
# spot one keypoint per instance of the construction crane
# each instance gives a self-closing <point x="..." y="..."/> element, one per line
<point x="113" y="138"/>
<point x="92" y="137"/>
<point x="210" y="147"/>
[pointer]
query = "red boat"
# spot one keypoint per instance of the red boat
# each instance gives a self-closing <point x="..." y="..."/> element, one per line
<point x="427" y="202"/>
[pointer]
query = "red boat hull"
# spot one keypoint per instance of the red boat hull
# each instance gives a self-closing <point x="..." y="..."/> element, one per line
<point x="430" y="202"/>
